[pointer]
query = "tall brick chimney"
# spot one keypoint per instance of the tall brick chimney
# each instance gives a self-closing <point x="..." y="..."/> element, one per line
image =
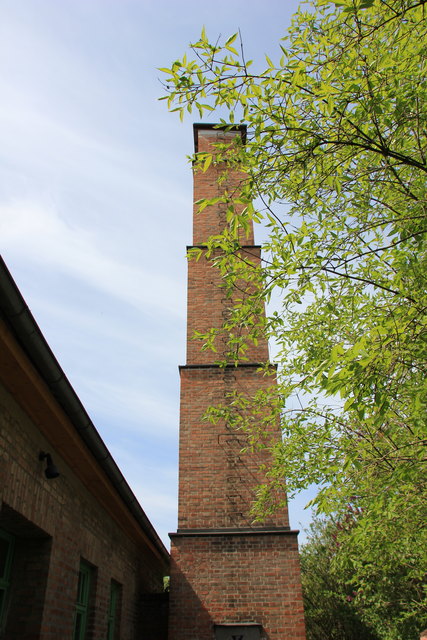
<point x="231" y="579"/>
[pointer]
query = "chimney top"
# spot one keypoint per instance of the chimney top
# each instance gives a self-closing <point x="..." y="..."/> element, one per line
<point x="214" y="128"/>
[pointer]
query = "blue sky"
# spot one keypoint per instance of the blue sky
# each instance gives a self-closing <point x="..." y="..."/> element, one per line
<point x="96" y="205"/>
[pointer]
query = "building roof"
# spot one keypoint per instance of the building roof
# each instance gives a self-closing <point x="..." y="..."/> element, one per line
<point x="73" y="434"/>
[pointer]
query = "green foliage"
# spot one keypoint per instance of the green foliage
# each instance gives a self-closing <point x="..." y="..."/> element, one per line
<point x="337" y="606"/>
<point x="330" y="599"/>
<point x="336" y="161"/>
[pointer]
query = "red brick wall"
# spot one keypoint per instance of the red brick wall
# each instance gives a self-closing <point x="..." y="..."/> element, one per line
<point x="209" y="306"/>
<point x="225" y="569"/>
<point x="212" y="219"/>
<point x="208" y="302"/>
<point x="56" y="524"/>
<point x="236" y="578"/>
<point x="217" y="483"/>
<point x="217" y="480"/>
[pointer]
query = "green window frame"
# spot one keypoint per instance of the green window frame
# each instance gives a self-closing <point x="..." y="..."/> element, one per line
<point x="113" y="610"/>
<point x="7" y="543"/>
<point x="81" y="613"/>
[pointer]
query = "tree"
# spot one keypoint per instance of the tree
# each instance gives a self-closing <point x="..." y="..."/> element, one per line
<point x="330" y="601"/>
<point x="335" y="164"/>
<point x="336" y="607"/>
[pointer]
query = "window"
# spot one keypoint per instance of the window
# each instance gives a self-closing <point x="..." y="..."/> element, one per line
<point x="6" y="552"/>
<point x="113" y="611"/>
<point x="82" y="603"/>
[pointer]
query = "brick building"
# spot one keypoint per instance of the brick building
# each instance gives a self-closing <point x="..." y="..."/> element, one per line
<point x="78" y="556"/>
<point x="230" y="579"/>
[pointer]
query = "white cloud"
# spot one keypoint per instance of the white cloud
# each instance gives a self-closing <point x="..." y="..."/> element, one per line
<point x="138" y="409"/>
<point x="37" y="233"/>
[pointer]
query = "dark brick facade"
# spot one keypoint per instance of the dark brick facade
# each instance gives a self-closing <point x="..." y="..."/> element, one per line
<point x="226" y="573"/>
<point x="85" y="514"/>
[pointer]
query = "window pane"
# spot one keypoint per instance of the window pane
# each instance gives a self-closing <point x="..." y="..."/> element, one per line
<point x="4" y="555"/>
<point x="82" y="588"/>
<point x="82" y="601"/>
<point x="6" y="549"/>
<point x="78" y="626"/>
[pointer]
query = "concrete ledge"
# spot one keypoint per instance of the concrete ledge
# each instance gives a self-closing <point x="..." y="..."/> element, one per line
<point x="256" y="531"/>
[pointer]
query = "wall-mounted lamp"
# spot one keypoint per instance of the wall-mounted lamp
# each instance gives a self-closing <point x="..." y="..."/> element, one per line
<point x="51" y="471"/>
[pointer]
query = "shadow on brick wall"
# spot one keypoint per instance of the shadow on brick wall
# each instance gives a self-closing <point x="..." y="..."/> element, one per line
<point x="153" y="616"/>
<point x="190" y="618"/>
